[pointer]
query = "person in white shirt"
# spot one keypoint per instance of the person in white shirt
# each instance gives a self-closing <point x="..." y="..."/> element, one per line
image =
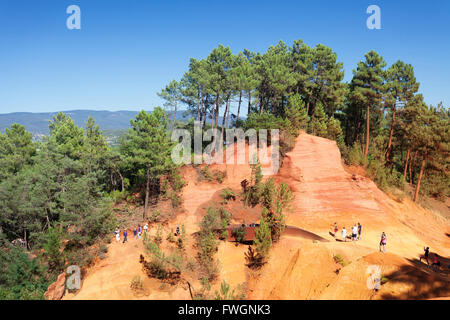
<point x="117" y="235"/>
<point x="145" y="228"/>
<point x="354" y="232"/>
<point x="344" y="234"/>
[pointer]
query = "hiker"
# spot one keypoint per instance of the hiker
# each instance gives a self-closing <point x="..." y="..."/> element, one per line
<point x="359" y="231"/>
<point x="335" y="229"/>
<point x="146" y="228"/>
<point x="178" y="230"/>
<point x="117" y="235"/>
<point x="383" y="242"/>
<point x="425" y="256"/>
<point x="135" y="232"/>
<point x="125" y="235"/>
<point x="436" y="262"/>
<point x="139" y="231"/>
<point x="354" y="232"/>
<point x="344" y="234"/>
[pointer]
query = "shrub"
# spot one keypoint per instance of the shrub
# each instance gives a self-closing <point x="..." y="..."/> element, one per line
<point x="340" y="260"/>
<point x="137" y="284"/>
<point x="154" y="216"/>
<point x="158" y="236"/>
<point x="263" y="239"/>
<point x="334" y="130"/>
<point x="239" y="234"/>
<point x="52" y="250"/>
<point x="219" y="176"/>
<point x="175" y="199"/>
<point x="228" y="194"/>
<point x="296" y="113"/>
<point x="21" y="276"/>
<point x="207" y="175"/>
<point x="355" y="155"/>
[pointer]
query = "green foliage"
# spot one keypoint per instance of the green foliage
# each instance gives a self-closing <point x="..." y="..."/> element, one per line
<point x="148" y="149"/>
<point x="263" y="239"/>
<point x="334" y="131"/>
<point x="239" y="234"/>
<point x="159" y="234"/>
<point x="226" y="294"/>
<point x="296" y="113"/>
<point x="228" y="194"/>
<point x="161" y="265"/>
<point x="21" y="276"/>
<point x="52" y="250"/>
<point x="340" y="260"/>
<point x="16" y="150"/>
<point x="319" y="122"/>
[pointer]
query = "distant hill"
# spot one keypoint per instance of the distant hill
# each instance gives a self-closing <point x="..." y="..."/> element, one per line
<point x="37" y="123"/>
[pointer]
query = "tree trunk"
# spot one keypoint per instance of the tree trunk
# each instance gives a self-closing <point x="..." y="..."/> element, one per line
<point x="200" y="107"/>
<point x="205" y="110"/>
<point x="366" y="150"/>
<point x="406" y="165"/>
<point x="175" y="113"/>
<point x="227" y="107"/>
<point x="249" y="101"/>
<point x="307" y="107"/>
<point x="391" y="133"/>
<point x="411" y="163"/>
<point x="239" y="106"/>
<point x="147" y="194"/>
<point x="216" y="120"/>
<point x="416" y="194"/>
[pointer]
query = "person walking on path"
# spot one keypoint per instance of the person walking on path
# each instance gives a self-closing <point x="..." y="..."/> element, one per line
<point x="344" y="234"/>
<point x="178" y="230"/>
<point x="354" y="232"/>
<point x="359" y="231"/>
<point x="335" y="229"/>
<point x="139" y="231"/>
<point x="125" y="235"/>
<point x="436" y="263"/>
<point x="146" y="228"/>
<point x="383" y="242"/>
<point x="117" y="235"/>
<point x="426" y="255"/>
<point x="135" y="232"/>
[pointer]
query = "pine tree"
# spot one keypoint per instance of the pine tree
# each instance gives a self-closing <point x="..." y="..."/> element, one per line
<point x="149" y="148"/>
<point x="172" y="95"/>
<point x="367" y="88"/>
<point x="401" y="86"/>
<point x="16" y="150"/>
<point x="318" y="124"/>
<point x="296" y="113"/>
<point x="263" y="239"/>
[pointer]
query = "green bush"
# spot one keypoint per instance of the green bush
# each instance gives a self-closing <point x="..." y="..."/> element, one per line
<point x="228" y="194"/>
<point x="22" y="277"/>
<point x="239" y="234"/>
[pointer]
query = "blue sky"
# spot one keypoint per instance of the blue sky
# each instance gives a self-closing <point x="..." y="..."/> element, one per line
<point x="127" y="50"/>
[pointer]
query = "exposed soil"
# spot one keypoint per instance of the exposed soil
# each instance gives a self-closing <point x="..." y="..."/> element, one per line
<point x="301" y="265"/>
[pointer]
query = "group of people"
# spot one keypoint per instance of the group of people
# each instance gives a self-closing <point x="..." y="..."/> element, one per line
<point x="436" y="263"/>
<point x="356" y="235"/>
<point x="137" y="232"/>
<point x="356" y="232"/>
